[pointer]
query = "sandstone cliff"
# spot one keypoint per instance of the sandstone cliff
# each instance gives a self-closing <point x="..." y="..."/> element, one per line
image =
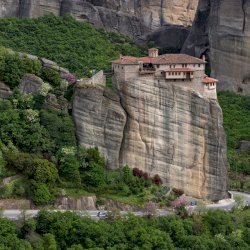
<point x="160" y="129"/>
<point x="221" y="30"/>
<point x="99" y="120"/>
<point x="132" y="17"/>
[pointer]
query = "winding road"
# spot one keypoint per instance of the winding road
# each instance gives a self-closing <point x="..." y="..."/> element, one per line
<point x="226" y="205"/>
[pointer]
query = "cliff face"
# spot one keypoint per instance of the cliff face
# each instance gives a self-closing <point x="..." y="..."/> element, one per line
<point x="132" y="17"/>
<point x="222" y="31"/>
<point x="160" y="129"/>
<point x="99" y="120"/>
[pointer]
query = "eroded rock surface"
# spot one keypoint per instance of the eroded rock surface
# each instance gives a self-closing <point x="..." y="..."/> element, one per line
<point x="5" y="91"/>
<point x="132" y="17"/>
<point x="30" y="84"/>
<point x="221" y="30"/>
<point x="99" y="120"/>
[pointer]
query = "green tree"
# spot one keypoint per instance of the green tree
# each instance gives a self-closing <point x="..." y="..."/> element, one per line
<point x="45" y="171"/>
<point x="49" y="241"/>
<point x="40" y="193"/>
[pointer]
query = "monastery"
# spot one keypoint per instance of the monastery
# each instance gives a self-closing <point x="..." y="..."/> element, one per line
<point x="179" y="69"/>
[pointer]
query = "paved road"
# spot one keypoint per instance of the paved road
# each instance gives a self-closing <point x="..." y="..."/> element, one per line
<point x="225" y="205"/>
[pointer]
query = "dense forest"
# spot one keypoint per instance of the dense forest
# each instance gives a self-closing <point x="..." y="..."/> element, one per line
<point x="214" y="230"/>
<point x="77" y="46"/>
<point x="38" y="143"/>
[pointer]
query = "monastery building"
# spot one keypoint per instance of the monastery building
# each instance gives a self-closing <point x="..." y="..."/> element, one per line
<point x="179" y="69"/>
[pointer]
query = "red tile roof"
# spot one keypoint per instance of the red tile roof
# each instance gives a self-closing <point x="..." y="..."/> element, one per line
<point x="126" y="60"/>
<point x="162" y="59"/>
<point x="176" y="59"/>
<point x="209" y="80"/>
<point x="179" y="70"/>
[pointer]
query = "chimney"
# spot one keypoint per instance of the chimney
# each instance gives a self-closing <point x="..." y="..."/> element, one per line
<point x="153" y="52"/>
<point x="204" y="58"/>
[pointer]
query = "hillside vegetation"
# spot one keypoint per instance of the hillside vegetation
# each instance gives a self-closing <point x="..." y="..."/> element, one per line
<point x="236" y="112"/>
<point x="77" y="46"/>
<point x="51" y="134"/>
<point x="215" y="230"/>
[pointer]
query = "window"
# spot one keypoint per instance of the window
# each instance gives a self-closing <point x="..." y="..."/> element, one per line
<point x="122" y="67"/>
<point x="183" y="65"/>
<point x="158" y="66"/>
<point x="199" y="65"/>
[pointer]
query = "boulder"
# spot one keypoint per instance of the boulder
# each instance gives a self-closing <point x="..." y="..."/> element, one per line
<point x="5" y="91"/>
<point x="56" y="103"/>
<point x="30" y="84"/>
<point x="244" y="146"/>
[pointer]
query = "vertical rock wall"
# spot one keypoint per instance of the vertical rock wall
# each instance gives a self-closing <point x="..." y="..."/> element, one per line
<point x="99" y="120"/>
<point x="176" y="134"/>
<point x="222" y="31"/>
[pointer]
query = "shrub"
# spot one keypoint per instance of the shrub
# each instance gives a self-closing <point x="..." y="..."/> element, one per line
<point x="52" y="76"/>
<point x="40" y="193"/>
<point x="157" y="180"/>
<point x="178" y="191"/>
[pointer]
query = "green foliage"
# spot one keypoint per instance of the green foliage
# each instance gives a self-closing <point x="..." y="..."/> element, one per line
<point x="13" y="68"/>
<point x="40" y="193"/>
<point x="60" y="127"/>
<point x="45" y="171"/>
<point x="216" y="230"/>
<point x="236" y="114"/>
<point x="27" y="134"/>
<point x="77" y="46"/>
<point x="49" y="242"/>
<point x="52" y="76"/>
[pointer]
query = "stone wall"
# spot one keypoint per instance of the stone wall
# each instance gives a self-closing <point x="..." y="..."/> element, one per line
<point x="97" y="79"/>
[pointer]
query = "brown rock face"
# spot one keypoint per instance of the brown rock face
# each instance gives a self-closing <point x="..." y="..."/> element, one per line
<point x="132" y="17"/>
<point x="222" y="31"/>
<point x="160" y="129"/>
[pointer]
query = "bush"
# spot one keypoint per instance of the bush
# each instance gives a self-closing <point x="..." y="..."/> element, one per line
<point x="52" y="76"/>
<point x="40" y="193"/>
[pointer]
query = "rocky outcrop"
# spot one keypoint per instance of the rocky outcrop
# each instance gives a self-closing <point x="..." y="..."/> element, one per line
<point x="132" y="17"/>
<point x="168" y="131"/>
<point x="244" y="146"/>
<point x="99" y="120"/>
<point x="5" y="91"/>
<point x="30" y="84"/>
<point x="221" y="30"/>
<point x="81" y="203"/>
